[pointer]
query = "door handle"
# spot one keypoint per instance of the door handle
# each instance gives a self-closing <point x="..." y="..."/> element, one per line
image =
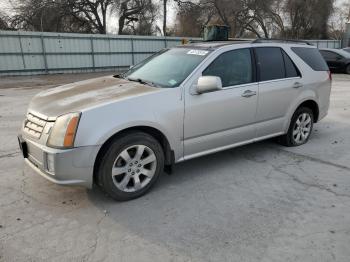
<point x="297" y="85"/>
<point x="248" y="93"/>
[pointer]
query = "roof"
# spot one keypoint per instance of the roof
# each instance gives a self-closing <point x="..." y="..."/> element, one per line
<point x="213" y="44"/>
<point x="209" y="45"/>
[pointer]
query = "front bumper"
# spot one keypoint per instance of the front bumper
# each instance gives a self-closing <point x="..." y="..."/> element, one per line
<point x="68" y="166"/>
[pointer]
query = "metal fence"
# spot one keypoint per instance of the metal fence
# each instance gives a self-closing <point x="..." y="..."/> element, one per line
<point x="346" y="42"/>
<point x="27" y="53"/>
<point x="326" y="43"/>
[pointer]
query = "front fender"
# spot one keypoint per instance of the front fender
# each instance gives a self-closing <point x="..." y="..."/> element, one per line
<point x="163" y="111"/>
<point x="109" y="133"/>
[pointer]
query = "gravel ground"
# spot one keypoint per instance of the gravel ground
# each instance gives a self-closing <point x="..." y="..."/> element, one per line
<point x="261" y="202"/>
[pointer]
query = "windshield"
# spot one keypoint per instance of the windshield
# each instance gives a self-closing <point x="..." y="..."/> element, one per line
<point x="168" y="68"/>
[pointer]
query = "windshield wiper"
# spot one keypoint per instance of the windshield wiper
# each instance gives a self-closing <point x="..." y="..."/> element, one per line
<point x="142" y="81"/>
<point x="121" y="76"/>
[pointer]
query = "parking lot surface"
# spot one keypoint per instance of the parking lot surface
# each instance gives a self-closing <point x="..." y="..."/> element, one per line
<point x="261" y="202"/>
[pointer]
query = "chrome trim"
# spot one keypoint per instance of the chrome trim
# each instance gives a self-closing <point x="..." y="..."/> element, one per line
<point x="278" y="80"/>
<point x="34" y="125"/>
<point x="35" y="119"/>
<point x="38" y="115"/>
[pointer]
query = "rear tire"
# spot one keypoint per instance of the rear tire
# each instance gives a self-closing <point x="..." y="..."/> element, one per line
<point x="131" y="166"/>
<point x="300" y="128"/>
<point x="347" y="69"/>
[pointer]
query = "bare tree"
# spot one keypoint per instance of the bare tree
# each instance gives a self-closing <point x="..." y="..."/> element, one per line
<point x="38" y="15"/>
<point x="268" y="18"/>
<point x="129" y="12"/>
<point x="192" y="17"/>
<point x="337" y="22"/>
<point x="261" y="18"/>
<point x="94" y="11"/>
<point x="308" y="19"/>
<point x="142" y="22"/>
<point x="4" y="22"/>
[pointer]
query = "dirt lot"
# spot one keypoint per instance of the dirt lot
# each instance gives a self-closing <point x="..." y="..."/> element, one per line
<point x="261" y="202"/>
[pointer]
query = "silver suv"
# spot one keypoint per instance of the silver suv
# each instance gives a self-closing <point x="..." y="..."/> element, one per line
<point x="121" y="132"/>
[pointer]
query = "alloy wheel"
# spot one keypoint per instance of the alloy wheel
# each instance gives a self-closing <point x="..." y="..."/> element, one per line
<point x="134" y="168"/>
<point x="302" y="128"/>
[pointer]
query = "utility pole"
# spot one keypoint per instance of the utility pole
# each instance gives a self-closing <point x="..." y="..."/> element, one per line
<point x="45" y="5"/>
<point x="346" y="41"/>
<point x="164" y="16"/>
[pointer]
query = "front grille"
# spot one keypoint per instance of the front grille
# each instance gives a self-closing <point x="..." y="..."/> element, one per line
<point x="34" y="125"/>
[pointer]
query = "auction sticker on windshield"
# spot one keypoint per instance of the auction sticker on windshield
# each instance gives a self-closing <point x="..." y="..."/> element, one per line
<point x="197" y="52"/>
<point x="172" y="82"/>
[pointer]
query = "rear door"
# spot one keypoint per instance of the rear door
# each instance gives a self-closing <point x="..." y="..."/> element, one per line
<point x="280" y="84"/>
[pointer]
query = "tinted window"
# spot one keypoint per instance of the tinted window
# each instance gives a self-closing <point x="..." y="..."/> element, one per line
<point x="233" y="67"/>
<point x="291" y="69"/>
<point x="270" y="63"/>
<point x="329" y="55"/>
<point x="312" y="57"/>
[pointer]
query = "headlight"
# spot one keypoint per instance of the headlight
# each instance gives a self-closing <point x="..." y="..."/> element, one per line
<point x="63" y="132"/>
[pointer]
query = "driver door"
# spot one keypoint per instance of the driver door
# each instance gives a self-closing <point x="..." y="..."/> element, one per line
<point x="220" y="119"/>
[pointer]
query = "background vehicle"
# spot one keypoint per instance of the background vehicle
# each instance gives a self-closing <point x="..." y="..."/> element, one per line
<point x="338" y="60"/>
<point x="121" y="132"/>
<point x="347" y="49"/>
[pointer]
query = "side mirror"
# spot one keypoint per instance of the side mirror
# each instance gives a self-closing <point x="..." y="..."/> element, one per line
<point x="207" y="84"/>
<point x="131" y="66"/>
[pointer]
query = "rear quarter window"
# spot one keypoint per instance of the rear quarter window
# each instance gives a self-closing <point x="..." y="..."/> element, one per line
<point x="291" y="69"/>
<point x="312" y="57"/>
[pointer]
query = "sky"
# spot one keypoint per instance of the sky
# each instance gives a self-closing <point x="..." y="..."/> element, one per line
<point x="5" y="6"/>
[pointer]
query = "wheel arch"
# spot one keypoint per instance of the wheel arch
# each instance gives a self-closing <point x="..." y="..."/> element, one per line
<point x="308" y="102"/>
<point x="346" y="67"/>
<point x="154" y="132"/>
<point x="312" y="104"/>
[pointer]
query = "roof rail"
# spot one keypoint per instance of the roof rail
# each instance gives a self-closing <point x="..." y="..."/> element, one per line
<point x="276" y="40"/>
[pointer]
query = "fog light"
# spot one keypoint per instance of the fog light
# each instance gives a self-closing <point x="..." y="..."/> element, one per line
<point x="50" y="163"/>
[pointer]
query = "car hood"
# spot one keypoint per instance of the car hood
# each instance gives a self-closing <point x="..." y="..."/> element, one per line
<point x="81" y="95"/>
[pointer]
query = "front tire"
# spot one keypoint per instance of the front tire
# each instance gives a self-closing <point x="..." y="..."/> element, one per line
<point x="300" y="128"/>
<point x="131" y="166"/>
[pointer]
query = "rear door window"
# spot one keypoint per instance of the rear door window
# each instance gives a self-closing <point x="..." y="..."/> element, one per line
<point x="270" y="63"/>
<point x="312" y="57"/>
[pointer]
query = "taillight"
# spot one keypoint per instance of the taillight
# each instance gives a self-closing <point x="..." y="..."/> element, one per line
<point x="329" y="75"/>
